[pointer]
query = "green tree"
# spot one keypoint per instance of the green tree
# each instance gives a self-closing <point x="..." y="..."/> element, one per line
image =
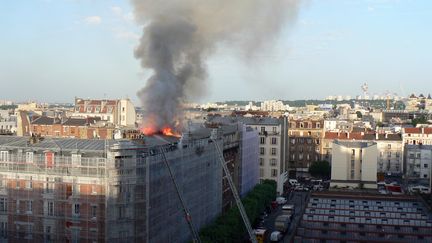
<point x="320" y="169"/>
<point x="229" y="227"/>
<point x="359" y="114"/>
<point x="419" y="120"/>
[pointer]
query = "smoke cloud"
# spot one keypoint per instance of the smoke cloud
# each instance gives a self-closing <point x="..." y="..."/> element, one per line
<point x="179" y="35"/>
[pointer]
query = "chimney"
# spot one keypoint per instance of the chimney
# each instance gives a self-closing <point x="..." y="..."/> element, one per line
<point x="348" y="135"/>
<point x="386" y="135"/>
<point x="376" y="136"/>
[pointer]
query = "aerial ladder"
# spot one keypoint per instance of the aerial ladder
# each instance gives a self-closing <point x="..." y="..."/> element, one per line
<point x="242" y="211"/>
<point x="188" y="217"/>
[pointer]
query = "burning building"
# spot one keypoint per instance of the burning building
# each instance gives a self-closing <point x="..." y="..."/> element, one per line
<point x="58" y="190"/>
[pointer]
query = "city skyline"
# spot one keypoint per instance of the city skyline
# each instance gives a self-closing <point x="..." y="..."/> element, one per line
<point x="88" y="52"/>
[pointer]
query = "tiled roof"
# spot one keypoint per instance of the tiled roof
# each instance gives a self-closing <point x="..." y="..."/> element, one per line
<point x="44" y="120"/>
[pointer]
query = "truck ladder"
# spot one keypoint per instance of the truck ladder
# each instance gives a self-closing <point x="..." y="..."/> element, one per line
<point x="188" y="216"/>
<point x="235" y="194"/>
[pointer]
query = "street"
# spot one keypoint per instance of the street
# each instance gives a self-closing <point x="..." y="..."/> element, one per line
<point x="296" y="198"/>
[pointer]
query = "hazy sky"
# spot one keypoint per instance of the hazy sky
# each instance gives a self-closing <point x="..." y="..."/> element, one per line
<point x="53" y="50"/>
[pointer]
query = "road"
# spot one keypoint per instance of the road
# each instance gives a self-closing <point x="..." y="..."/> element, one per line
<point x="296" y="198"/>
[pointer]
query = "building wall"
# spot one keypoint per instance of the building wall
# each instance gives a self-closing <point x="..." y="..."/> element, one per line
<point x="249" y="176"/>
<point x="304" y="142"/>
<point x="272" y="152"/>
<point x="45" y="200"/>
<point x="418" y="161"/>
<point x="390" y="156"/>
<point x="353" y="164"/>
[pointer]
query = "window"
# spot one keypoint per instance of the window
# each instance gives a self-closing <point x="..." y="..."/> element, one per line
<point x="273" y="151"/>
<point x="29" y="206"/>
<point x="262" y="151"/>
<point x="273" y="162"/>
<point x="3" y="230"/>
<point x="49" y="187"/>
<point x="261" y="172"/>
<point x="261" y="161"/>
<point x="318" y="125"/>
<point x="75" y="235"/>
<point x="47" y="233"/>
<point x="273" y="140"/>
<point x="274" y="173"/>
<point x="353" y="152"/>
<point x="352" y="174"/>
<point x="262" y="140"/>
<point x="274" y="129"/>
<point x="29" y="183"/>
<point x="425" y="165"/>
<point x="76" y="209"/>
<point x="262" y="129"/>
<point x="29" y="157"/>
<point x="389" y="154"/>
<point x="4" y="156"/>
<point x="389" y="146"/>
<point x="293" y="140"/>
<point x="121" y="212"/>
<point x="3" y="204"/>
<point x="93" y="211"/>
<point x="50" y="208"/>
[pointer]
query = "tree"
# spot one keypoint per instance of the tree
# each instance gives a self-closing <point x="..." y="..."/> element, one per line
<point x="320" y="169"/>
<point x="359" y="114"/>
<point x="419" y="120"/>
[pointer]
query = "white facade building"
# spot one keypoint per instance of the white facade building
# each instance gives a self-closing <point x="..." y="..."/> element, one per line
<point x="354" y="164"/>
<point x="273" y="105"/>
<point x="418" y="161"/>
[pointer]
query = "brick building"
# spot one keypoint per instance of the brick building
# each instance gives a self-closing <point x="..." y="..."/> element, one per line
<point x="83" y="128"/>
<point x="304" y="144"/>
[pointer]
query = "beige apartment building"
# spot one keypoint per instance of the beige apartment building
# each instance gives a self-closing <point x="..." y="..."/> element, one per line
<point x="354" y="164"/>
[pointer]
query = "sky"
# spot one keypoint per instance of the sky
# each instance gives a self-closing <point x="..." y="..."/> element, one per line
<point x="55" y="50"/>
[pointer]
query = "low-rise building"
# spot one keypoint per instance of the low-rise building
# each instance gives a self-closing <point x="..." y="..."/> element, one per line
<point x="119" y="112"/>
<point x="354" y="164"/>
<point x="417" y="135"/>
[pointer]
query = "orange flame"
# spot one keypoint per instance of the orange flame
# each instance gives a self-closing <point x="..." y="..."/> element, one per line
<point x="168" y="131"/>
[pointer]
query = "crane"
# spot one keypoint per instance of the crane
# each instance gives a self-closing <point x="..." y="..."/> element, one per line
<point x="242" y="211"/>
<point x="188" y="216"/>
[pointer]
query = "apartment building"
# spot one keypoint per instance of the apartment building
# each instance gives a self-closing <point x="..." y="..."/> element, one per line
<point x="8" y="122"/>
<point x="390" y="152"/>
<point x="418" y="162"/>
<point x="417" y="135"/>
<point x="72" y="127"/>
<point x="305" y="137"/>
<point x="119" y="112"/>
<point x="73" y="190"/>
<point x="273" y="144"/>
<point x="354" y="164"/>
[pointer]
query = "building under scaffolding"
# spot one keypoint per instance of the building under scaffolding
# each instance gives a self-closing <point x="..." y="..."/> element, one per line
<point x="59" y="190"/>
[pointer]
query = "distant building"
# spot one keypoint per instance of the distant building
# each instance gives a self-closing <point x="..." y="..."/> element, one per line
<point x="273" y="105"/>
<point x="304" y="144"/>
<point x="76" y="127"/>
<point x="8" y="122"/>
<point x="273" y="147"/>
<point x="418" y="161"/>
<point x="354" y="164"/>
<point x="119" y="112"/>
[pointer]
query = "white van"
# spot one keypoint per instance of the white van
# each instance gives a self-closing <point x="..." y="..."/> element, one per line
<point x="276" y="236"/>
<point x="293" y="182"/>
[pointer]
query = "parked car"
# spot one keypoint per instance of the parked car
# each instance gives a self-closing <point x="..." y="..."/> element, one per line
<point x="276" y="236"/>
<point x="281" y="200"/>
